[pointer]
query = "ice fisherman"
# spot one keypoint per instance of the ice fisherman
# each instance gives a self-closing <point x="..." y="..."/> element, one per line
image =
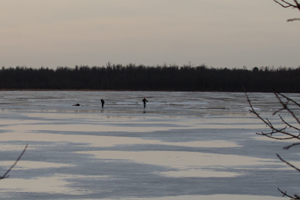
<point x="144" y="101"/>
<point x="102" y="103"/>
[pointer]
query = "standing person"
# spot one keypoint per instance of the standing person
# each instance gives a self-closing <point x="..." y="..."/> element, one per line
<point x="144" y="101"/>
<point x="102" y="103"/>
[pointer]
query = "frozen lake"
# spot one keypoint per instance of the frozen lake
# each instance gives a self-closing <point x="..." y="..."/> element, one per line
<point x="184" y="145"/>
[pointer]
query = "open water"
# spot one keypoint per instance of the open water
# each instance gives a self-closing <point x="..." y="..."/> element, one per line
<point x="184" y="145"/>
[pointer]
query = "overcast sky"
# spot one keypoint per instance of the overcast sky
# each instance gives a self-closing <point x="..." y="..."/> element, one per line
<point x="218" y="33"/>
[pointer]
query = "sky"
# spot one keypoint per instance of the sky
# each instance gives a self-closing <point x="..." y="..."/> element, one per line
<point x="217" y="33"/>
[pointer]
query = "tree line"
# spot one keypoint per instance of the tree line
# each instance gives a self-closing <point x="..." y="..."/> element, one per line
<point x="152" y="78"/>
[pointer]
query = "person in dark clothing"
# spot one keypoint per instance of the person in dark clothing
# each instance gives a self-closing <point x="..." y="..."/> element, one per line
<point x="144" y="101"/>
<point x="102" y="103"/>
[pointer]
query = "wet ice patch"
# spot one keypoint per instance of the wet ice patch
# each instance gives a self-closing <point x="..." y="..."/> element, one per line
<point x="25" y="165"/>
<point x="198" y="173"/>
<point x="53" y="185"/>
<point x="184" y="163"/>
<point x="108" y="141"/>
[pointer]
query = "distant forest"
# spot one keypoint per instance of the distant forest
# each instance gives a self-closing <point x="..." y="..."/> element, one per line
<point x="151" y="78"/>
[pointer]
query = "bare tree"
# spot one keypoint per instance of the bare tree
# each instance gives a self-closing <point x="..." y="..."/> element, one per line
<point x="289" y="129"/>
<point x="5" y="175"/>
<point x="289" y="4"/>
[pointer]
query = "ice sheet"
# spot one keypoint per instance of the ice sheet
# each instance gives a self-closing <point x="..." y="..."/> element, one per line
<point x="184" y="145"/>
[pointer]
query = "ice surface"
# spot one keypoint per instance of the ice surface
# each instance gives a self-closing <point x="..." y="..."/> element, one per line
<point x="184" y="145"/>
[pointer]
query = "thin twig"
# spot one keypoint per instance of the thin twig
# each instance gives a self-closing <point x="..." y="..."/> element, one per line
<point x="289" y="164"/>
<point x="292" y="145"/>
<point x="285" y="102"/>
<point x="293" y="19"/>
<point x="285" y="105"/>
<point x="276" y="138"/>
<point x="287" y="195"/>
<point x="5" y="175"/>
<point x="271" y="126"/>
<point x="292" y="100"/>
<point x="286" y="4"/>
<point x="288" y="124"/>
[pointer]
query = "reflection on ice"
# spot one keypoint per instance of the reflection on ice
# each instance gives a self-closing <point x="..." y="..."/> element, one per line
<point x="9" y="147"/>
<point x="185" y="164"/>
<point x="25" y="165"/>
<point x="107" y="141"/>
<point x="50" y="185"/>
<point x="197" y="173"/>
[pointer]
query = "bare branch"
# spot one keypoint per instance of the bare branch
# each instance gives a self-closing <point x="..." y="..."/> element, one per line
<point x="268" y="123"/>
<point x="285" y="105"/>
<point x="5" y="175"/>
<point x="285" y="102"/>
<point x="288" y="124"/>
<point x="286" y="4"/>
<point x="269" y="135"/>
<point x="292" y="100"/>
<point x="294" y="167"/>
<point x="292" y="145"/>
<point x="284" y="194"/>
<point x="294" y="19"/>
<point x="289" y="164"/>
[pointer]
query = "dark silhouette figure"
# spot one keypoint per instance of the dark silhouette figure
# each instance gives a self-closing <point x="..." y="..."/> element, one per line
<point x="77" y="104"/>
<point x="102" y="103"/>
<point x="144" y="101"/>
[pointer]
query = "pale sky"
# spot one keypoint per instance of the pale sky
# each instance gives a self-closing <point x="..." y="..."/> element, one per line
<point x="218" y="33"/>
